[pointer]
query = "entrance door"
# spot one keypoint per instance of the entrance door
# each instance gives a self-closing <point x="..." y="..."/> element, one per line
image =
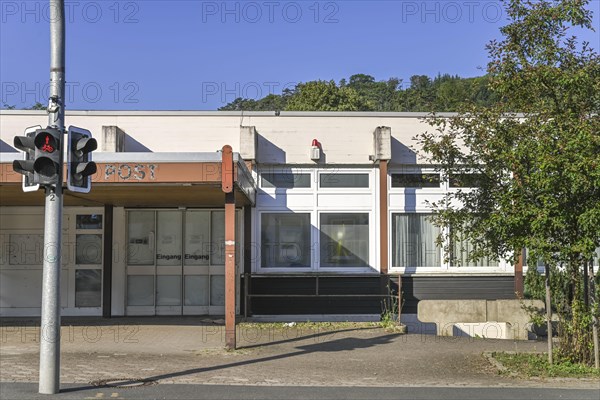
<point x="176" y="262"/>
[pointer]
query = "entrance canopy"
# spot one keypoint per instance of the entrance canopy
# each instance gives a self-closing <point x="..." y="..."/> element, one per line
<point x="143" y="180"/>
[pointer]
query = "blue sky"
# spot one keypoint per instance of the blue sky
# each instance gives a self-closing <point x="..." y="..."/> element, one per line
<point x="200" y="55"/>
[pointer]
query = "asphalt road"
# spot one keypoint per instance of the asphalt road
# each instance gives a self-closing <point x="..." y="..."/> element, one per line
<point x="10" y="391"/>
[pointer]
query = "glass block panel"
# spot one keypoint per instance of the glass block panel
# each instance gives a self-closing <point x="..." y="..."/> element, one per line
<point x="88" y="221"/>
<point x="88" y="287"/>
<point x="196" y="290"/>
<point x="168" y="238"/>
<point x="140" y="290"/>
<point x="88" y="249"/>
<point x="217" y="290"/>
<point x="197" y="238"/>
<point x="168" y="290"/>
<point x="25" y="249"/>
<point x="344" y="240"/>
<point x="337" y="180"/>
<point x="141" y="238"/>
<point x="285" y="240"/>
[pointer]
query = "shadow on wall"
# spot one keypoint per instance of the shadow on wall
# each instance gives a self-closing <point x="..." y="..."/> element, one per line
<point x="267" y="152"/>
<point x="133" y="146"/>
<point x="6" y="148"/>
<point x="401" y="154"/>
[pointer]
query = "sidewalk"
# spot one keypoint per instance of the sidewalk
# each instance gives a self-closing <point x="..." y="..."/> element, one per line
<point x="191" y="350"/>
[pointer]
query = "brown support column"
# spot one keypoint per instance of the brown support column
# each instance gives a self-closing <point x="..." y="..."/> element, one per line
<point x="383" y="215"/>
<point x="519" y="285"/>
<point x="107" y="263"/>
<point x="227" y="186"/>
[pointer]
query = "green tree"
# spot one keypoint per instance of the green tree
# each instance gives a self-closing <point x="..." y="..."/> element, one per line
<point x="326" y="96"/>
<point x="538" y="172"/>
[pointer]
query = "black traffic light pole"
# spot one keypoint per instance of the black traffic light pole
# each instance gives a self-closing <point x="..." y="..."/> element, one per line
<point x="50" y="323"/>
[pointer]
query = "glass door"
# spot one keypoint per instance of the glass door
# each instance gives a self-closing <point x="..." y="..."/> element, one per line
<point x="169" y="262"/>
<point x="176" y="262"/>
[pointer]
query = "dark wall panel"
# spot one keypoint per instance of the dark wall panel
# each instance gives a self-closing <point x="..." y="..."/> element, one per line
<point x="304" y="289"/>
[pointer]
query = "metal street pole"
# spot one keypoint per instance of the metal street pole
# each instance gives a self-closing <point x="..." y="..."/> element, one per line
<point x="50" y="323"/>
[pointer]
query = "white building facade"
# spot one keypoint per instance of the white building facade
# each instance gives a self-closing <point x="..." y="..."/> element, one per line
<point x="331" y="209"/>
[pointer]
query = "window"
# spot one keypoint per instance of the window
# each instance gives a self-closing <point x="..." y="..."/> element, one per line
<point x="344" y="240"/>
<point x="92" y="221"/>
<point x="414" y="241"/>
<point x="343" y="180"/>
<point x="141" y="238"/>
<point x="197" y="238"/>
<point x="466" y="180"/>
<point x="88" y="249"/>
<point x="285" y="240"/>
<point x="285" y="180"/>
<point x="88" y="284"/>
<point x="168" y="239"/>
<point x="460" y="250"/>
<point x="416" y="181"/>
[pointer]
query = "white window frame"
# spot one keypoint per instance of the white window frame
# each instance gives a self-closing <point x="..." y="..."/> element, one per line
<point x="445" y="267"/>
<point x="315" y="210"/>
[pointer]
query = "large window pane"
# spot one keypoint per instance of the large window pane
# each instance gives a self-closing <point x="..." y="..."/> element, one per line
<point x="337" y="180"/>
<point x="461" y="248"/>
<point x="285" y="180"/>
<point x="168" y="290"/>
<point x="140" y="290"/>
<point x="217" y="245"/>
<point x="88" y="249"/>
<point x="168" y="239"/>
<point x="413" y="241"/>
<point x="197" y="238"/>
<point x="285" y="240"/>
<point x="88" y="285"/>
<point x="344" y="240"/>
<point x="196" y="290"/>
<point x="141" y="238"/>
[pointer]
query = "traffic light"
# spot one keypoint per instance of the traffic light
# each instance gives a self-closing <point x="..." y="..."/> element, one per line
<point x="48" y="157"/>
<point x="80" y="166"/>
<point x="25" y="166"/>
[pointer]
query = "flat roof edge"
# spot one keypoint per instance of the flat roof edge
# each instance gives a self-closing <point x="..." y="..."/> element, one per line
<point x="148" y="157"/>
<point x="282" y="114"/>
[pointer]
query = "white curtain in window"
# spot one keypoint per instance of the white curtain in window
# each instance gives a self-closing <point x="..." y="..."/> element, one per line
<point x="461" y="249"/>
<point x="413" y="241"/>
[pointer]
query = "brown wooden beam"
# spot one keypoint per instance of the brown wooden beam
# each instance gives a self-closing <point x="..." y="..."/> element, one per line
<point x="227" y="178"/>
<point x="383" y="215"/>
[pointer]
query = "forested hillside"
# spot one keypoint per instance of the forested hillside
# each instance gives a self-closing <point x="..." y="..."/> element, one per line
<point x="363" y="93"/>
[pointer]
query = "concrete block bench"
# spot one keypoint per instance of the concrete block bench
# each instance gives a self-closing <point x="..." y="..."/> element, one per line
<point x="505" y="319"/>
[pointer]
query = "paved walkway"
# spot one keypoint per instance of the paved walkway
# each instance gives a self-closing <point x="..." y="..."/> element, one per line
<point x="190" y="350"/>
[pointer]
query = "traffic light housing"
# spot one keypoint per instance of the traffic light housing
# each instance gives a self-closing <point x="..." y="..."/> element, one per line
<point x="47" y="165"/>
<point x="25" y="166"/>
<point x="80" y="166"/>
